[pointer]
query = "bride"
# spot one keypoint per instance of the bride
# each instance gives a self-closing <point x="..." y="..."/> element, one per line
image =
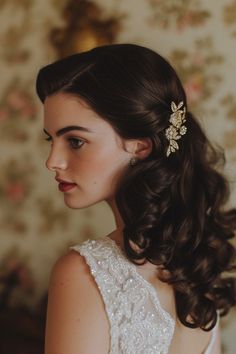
<point x="120" y="131"/>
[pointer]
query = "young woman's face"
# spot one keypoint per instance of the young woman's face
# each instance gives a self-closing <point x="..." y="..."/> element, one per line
<point x="89" y="163"/>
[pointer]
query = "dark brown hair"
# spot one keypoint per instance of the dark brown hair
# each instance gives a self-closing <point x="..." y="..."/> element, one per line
<point x="173" y="207"/>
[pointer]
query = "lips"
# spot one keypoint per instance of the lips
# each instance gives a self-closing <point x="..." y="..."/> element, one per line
<point x="65" y="186"/>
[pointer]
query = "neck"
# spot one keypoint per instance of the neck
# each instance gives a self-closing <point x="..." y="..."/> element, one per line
<point x="118" y="219"/>
<point x="117" y="234"/>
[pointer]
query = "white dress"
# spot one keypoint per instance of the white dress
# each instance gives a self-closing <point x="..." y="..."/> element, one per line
<point x="138" y="323"/>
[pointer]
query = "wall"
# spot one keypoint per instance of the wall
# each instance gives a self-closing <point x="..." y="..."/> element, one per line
<point x="198" y="37"/>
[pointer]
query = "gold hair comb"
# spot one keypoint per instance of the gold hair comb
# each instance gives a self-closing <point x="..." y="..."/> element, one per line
<point x="176" y="129"/>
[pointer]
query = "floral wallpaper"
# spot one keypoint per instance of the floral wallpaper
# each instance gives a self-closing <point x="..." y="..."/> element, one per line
<point x="199" y="39"/>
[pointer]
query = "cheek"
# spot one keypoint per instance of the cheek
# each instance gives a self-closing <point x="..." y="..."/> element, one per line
<point x="89" y="166"/>
<point x="99" y="168"/>
<point x="108" y="169"/>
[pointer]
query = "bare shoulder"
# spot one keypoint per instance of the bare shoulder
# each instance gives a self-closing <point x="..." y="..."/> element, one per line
<point x="76" y="317"/>
<point x="69" y="265"/>
<point x="71" y="274"/>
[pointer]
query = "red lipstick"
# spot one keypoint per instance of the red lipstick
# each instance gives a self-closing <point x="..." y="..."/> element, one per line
<point x="65" y="186"/>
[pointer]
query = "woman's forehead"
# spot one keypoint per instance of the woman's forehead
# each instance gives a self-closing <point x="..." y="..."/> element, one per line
<point x="61" y="110"/>
<point x="60" y="105"/>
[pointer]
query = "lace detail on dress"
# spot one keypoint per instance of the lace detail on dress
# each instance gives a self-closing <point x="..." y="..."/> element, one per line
<point x="138" y="323"/>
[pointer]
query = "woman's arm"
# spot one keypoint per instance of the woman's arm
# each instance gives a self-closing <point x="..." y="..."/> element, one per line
<point x="76" y="318"/>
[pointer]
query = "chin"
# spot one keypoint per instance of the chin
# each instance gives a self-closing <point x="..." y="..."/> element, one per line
<point x="73" y="203"/>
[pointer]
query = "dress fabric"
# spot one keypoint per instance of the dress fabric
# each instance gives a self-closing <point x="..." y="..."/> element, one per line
<point x="138" y="323"/>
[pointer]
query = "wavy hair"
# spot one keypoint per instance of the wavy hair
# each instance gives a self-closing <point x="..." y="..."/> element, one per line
<point x="173" y="207"/>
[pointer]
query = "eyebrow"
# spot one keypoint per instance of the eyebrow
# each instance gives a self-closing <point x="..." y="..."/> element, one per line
<point x="68" y="129"/>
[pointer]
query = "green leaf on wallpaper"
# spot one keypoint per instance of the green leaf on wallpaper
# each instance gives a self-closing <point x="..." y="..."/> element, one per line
<point x="229" y="101"/>
<point x="229" y="16"/>
<point x="17" y="112"/>
<point x="24" y="4"/>
<point x="180" y="14"/>
<point x="198" y="69"/>
<point x="229" y="13"/>
<point x="51" y="216"/>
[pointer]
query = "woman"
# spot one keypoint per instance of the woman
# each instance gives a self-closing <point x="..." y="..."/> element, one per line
<point x="121" y="132"/>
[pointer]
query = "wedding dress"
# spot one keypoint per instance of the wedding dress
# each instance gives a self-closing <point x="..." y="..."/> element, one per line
<point x="138" y="323"/>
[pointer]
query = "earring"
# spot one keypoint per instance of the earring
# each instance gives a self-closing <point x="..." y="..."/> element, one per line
<point x="133" y="161"/>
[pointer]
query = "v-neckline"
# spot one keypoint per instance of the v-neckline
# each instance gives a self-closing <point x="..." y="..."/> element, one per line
<point x="151" y="289"/>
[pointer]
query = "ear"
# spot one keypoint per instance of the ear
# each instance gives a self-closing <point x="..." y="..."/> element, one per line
<point x="143" y="148"/>
<point x="140" y="148"/>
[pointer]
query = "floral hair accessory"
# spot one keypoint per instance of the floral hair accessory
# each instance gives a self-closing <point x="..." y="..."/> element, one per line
<point x="176" y="129"/>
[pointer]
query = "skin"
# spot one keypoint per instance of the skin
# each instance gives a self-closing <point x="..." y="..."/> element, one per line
<point x="94" y="161"/>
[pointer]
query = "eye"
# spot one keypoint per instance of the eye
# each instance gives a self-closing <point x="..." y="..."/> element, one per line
<point x="48" y="138"/>
<point x="75" y="143"/>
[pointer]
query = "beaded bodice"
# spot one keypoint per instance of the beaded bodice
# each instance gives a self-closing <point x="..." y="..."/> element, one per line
<point x="138" y="323"/>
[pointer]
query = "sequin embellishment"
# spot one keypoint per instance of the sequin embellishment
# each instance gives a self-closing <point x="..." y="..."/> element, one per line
<point x="138" y="323"/>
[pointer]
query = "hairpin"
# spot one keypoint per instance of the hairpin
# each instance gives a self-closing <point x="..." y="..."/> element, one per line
<point x="176" y="129"/>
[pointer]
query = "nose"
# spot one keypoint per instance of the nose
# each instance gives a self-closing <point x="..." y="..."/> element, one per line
<point x="56" y="160"/>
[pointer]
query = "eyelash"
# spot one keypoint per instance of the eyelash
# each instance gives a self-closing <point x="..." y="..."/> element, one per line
<point x="76" y="141"/>
<point x="71" y="142"/>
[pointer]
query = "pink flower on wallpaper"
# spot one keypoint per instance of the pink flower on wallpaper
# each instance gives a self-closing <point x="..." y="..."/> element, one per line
<point x="24" y="276"/>
<point x="4" y="114"/>
<point x="15" y="191"/>
<point x="21" y="102"/>
<point x="28" y="111"/>
<point x="185" y="21"/>
<point x="193" y="18"/>
<point x="197" y="59"/>
<point x="16" y="100"/>
<point x="193" y="87"/>
<point x="13" y="265"/>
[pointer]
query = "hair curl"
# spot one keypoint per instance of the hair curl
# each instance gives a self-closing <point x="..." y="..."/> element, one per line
<point x="172" y="208"/>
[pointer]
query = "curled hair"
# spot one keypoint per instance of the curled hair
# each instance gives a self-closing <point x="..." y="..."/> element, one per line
<point x="173" y="208"/>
